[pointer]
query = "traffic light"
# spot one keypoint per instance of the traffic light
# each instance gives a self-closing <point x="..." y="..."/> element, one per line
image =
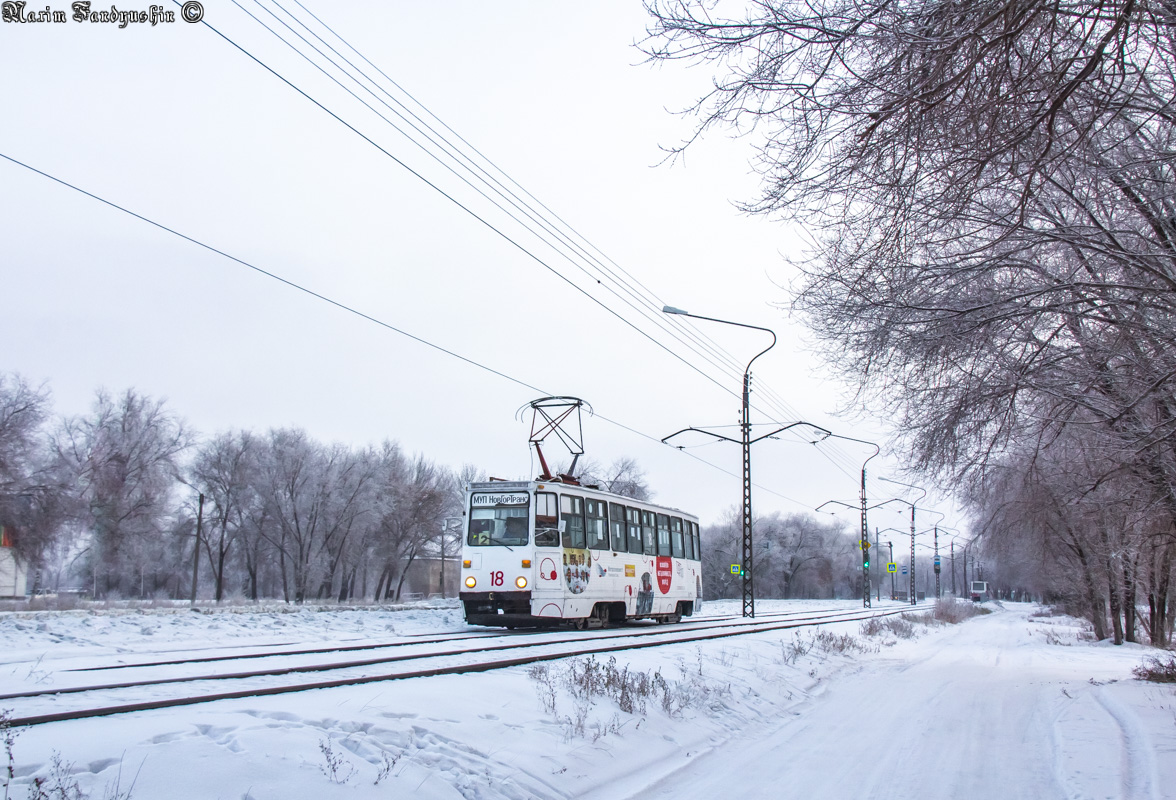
<point x="865" y="563"/>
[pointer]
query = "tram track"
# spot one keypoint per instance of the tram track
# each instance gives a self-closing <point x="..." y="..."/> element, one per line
<point x="509" y="642"/>
<point x="408" y="641"/>
<point x="542" y="649"/>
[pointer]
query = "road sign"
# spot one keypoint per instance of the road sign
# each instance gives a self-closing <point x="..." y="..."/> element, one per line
<point x="904" y="569"/>
<point x="892" y="567"/>
<point x="865" y="544"/>
<point x="736" y="569"/>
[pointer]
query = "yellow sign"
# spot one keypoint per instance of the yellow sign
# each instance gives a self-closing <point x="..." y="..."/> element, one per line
<point x="892" y="567"/>
<point x="630" y="571"/>
<point x="736" y="569"/>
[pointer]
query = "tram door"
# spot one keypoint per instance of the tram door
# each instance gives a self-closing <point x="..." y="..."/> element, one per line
<point x="547" y="593"/>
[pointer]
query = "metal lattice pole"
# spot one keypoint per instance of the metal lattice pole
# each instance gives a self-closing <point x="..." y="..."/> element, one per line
<point x="865" y="548"/>
<point x="893" y="576"/>
<point x="954" y="593"/>
<point x="878" y="549"/>
<point x="938" y="594"/>
<point x="914" y="595"/>
<point x="746" y="441"/>
<point x="748" y="567"/>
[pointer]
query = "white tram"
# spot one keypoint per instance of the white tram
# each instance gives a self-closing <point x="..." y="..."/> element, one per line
<point x="549" y="553"/>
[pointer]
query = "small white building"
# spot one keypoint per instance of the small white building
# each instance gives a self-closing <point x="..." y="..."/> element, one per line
<point x="14" y="576"/>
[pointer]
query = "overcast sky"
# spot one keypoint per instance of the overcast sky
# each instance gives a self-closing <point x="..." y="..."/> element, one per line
<point x="177" y="124"/>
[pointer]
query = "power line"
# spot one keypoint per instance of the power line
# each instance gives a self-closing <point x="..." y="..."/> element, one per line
<point x="458" y="203"/>
<point x="347" y="308"/>
<point x="512" y="200"/>
<point x="687" y="324"/>
<point x="531" y="214"/>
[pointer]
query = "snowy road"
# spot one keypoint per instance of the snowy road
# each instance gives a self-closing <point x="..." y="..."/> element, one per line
<point x="981" y="711"/>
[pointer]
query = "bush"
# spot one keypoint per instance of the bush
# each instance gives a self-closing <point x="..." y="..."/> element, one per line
<point x="1157" y="670"/>
<point x="900" y="626"/>
<point x="953" y="611"/>
<point x="586" y="679"/>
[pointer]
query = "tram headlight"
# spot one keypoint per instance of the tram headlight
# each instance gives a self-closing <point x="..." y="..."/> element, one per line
<point x="521" y="582"/>
<point x="471" y="582"/>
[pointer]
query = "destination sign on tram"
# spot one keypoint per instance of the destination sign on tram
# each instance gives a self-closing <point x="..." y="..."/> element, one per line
<point x="499" y="499"/>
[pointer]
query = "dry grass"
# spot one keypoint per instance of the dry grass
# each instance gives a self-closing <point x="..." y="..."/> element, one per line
<point x="1157" y="670"/>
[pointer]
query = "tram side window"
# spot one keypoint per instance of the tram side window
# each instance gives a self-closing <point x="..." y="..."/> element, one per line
<point x="663" y="535"/>
<point x="697" y="543"/>
<point x="546" y="520"/>
<point x="648" y="533"/>
<point x="689" y="540"/>
<point x="571" y="511"/>
<point x="676" y="537"/>
<point x="616" y="524"/>
<point x="633" y="523"/>
<point x="596" y="513"/>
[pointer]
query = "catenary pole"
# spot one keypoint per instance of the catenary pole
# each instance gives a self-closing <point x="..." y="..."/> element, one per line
<point x="748" y="566"/>
<point x="892" y="575"/>
<point x="938" y="593"/>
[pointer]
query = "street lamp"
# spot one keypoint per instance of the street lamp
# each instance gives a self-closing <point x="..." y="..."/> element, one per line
<point x="745" y="425"/>
<point x="865" y="542"/>
<point x="958" y="533"/>
<point x="914" y="594"/>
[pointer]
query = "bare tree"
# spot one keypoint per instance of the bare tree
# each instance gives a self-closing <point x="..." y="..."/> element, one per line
<point x="415" y="497"/>
<point x="315" y="496"/>
<point x="33" y="493"/>
<point x="224" y="471"/>
<point x="624" y="476"/>
<point x="994" y="194"/>
<point x="122" y="458"/>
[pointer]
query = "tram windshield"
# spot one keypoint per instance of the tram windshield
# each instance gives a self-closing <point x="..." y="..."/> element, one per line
<point x="498" y="526"/>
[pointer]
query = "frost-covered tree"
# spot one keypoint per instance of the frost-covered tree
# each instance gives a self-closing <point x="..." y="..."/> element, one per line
<point x="624" y="476"/>
<point x="994" y="195"/>
<point x="32" y="492"/>
<point x="224" y="470"/>
<point x="122" y="459"/>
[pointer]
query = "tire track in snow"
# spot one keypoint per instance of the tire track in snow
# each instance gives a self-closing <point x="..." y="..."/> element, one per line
<point x="1138" y="765"/>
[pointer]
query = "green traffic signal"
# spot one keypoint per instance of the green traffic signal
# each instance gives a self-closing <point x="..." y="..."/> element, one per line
<point x="866" y="564"/>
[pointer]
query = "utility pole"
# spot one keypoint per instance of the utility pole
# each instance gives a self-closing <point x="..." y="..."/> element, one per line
<point x="914" y="594"/>
<point x="747" y="568"/>
<point x="953" y="585"/>
<point x="864" y="541"/>
<point x="748" y="565"/>
<point x="196" y="550"/>
<point x="892" y="575"/>
<point x="938" y="593"/>
<point x="878" y="549"/>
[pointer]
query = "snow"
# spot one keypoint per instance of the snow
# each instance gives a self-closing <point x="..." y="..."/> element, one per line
<point x="1004" y="705"/>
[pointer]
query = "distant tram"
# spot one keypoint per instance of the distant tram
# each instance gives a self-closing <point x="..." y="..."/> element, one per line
<point x="539" y="553"/>
<point x="980" y="591"/>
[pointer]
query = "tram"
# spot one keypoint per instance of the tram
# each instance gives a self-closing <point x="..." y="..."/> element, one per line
<point x="550" y="552"/>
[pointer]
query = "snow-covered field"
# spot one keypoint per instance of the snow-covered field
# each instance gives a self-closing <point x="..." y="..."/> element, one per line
<point x="1006" y="705"/>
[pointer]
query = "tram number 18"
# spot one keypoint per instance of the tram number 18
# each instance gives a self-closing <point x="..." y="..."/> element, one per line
<point x="495" y="578"/>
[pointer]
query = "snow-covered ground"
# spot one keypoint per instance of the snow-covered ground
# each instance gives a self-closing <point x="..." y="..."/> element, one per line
<point x="1006" y="705"/>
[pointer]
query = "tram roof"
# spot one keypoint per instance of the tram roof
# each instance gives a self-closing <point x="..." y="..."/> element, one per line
<point x="521" y="486"/>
